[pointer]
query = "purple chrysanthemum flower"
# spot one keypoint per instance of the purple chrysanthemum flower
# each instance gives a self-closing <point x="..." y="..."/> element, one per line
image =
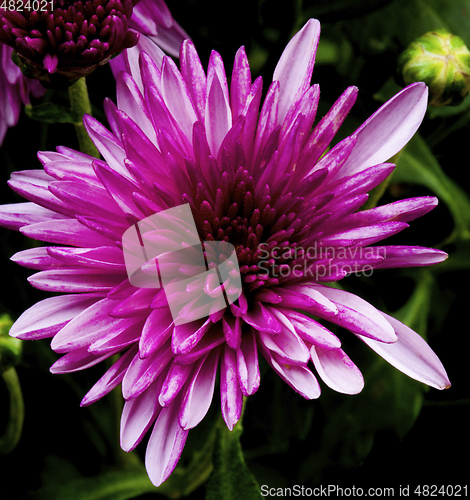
<point x="66" y="39"/>
<point x="259" y="179"/>
<point x="15" y="90"/>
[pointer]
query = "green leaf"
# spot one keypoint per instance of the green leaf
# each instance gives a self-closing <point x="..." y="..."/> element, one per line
<point x="50" y="112"/>
<point x="231" y="478"/>
<point x="417" y="165"/>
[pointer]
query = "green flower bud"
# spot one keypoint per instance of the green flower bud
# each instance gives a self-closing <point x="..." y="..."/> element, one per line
<point x="442" y="62"/>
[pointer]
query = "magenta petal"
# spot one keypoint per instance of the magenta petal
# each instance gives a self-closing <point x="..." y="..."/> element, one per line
<point x="86" y="327"/>
<point x="261" y="318"/>
<point x="357" y="315"/>
<point x="78" y="360"/>
<point x="165" y="445"/>
<point x="406" y="256"/>
<point x="174" y="382"/>
<point x="75" y="280"/>
<point x="142" y="372"/>
<point x="300" y="378"/>
<point x="311" y="331"/>
<point x="411" y="355"/>
<point x="286" y="344"/>
<point x="388" y="129"/>
<point x="47" y="317"/>
<point x="231" y="397"/>
<point x="198" y="396"/>
<point x="156" y="331"/>
<point x="294" y="69"/>
<point x="111" y="379"/>
<point x="247" y="364"/>
<point x="337" y="370"/>
<point x="138" y="415"/>
<point x="22" y="214"/>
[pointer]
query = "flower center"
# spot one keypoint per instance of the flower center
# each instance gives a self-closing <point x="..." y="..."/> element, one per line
<point x="262" y="225"/>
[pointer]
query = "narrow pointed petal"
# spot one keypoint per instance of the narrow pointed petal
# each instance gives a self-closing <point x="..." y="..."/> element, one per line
<point x="47" y="317"/>
<point x="295" y="67"/>
<point x="388" y="129"/>
<point x="411" y="355"/>
<point x="199" y="393"/>
<point x="111" y="379"/>
<point x="247" y="364"/>
<point x="165" y="445"/>
<point x="138" y="415"/>
<point x="337" y="370"/>
<point x="231" y="397"/>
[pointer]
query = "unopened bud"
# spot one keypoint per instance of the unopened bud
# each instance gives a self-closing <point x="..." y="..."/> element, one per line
<point x="442" y="62"/>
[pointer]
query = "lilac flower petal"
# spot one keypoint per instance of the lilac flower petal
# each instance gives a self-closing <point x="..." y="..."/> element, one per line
<point x="187" y="335"/>
<point x="218" y="117"/>
<point x="17" y="215"/>
<point x="311" y="331"/>
<point x="286" y="344"/>
<point x="406" y="256"/>
<point x="388" y="129"/>
<point x="323" y="133"/>
<point x="247" y="364"/>
<point x="111" y="379"/>
<point x="198" y="396"/>
<point x="193" y="72"/>
<point x="75" y="280"/>
<point x="294" y="69"/>
<point x="125" y="334"/>
<point x="175" y="380"/>
<point x="231" y="396"/>
<point x="37" y="258"/>
<point x="165" y="445"/>
<point x="411" y="355"/>
<point x="156" y="331"/>
<point x="47" y="317"/>
<point x="105" y="257"/>
<point x="240" y="86"/>
<point x="337" y="370"/>
<point x="86" y="327"/>
<point x="308" y="299"/>
<point x="131" y="102"/>
<point x="357" y="315"/>
<point x="77" y="360"/>
<point x="142" y="372"/>
<point x="400" y="211"/>
<point x="65" y="232"/>
<point x="177" y="98"/>
<point x="138" y="415"/>
<point x="261" y="318"/>
<point x="300" y="378"/>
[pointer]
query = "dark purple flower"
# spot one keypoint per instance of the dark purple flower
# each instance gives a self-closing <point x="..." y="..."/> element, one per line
<point x="65" y="40"/>
<point x="255" y="174"/>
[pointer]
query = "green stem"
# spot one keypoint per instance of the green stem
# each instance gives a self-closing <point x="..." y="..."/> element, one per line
<point x="80" y="106"/>
<point x="15" y="423"/>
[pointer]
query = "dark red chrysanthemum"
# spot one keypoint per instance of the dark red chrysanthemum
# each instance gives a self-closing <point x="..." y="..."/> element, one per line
<point x="65" y="39"/>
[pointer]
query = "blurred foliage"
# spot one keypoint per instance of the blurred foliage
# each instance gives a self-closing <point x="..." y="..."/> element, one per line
<point x="383" y="436"/>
